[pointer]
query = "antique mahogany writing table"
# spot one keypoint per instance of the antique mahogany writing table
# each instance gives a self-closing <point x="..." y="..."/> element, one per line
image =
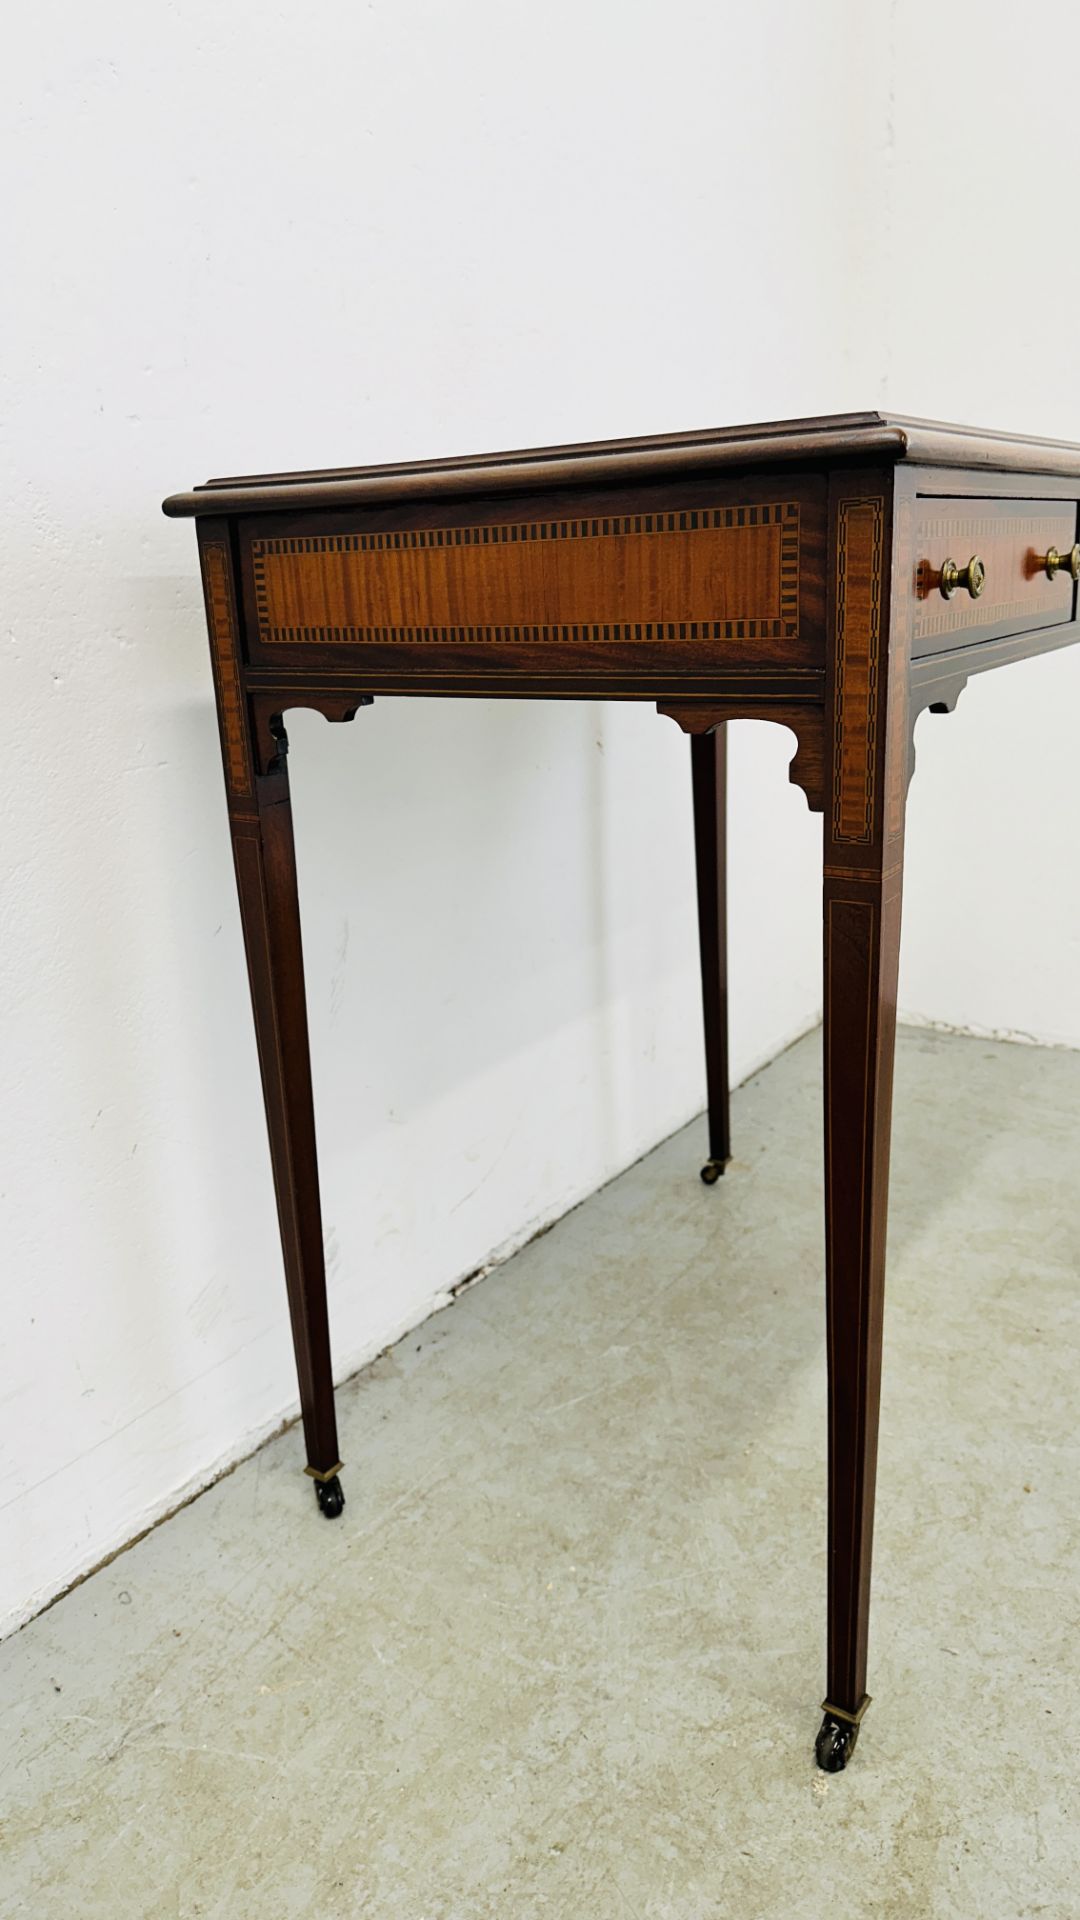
<point x="838" y="575"/>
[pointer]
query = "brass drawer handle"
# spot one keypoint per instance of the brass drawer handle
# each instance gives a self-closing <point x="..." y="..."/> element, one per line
<point x="1056" y="562"/>
<point x="973" y="577"/>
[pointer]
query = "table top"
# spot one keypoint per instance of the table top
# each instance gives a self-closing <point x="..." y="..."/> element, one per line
<point x="833" y="438"/>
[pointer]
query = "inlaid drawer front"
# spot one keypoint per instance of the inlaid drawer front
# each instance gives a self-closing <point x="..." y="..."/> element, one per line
<point x="987" y="568"/>
<point x="704" y="573"/>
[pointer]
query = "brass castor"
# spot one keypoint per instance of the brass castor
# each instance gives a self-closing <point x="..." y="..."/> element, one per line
<point x="330" y="1497"/>
<point x="712" y="1170"/>
<point x="835" y="1743"/>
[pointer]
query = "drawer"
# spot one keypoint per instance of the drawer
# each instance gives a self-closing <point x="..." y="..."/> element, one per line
<point x="1012" y="538"/>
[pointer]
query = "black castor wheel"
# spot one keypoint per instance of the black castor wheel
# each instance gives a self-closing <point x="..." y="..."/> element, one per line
<point x="835" y="1743"/>
<point x="712" y="1170"/>
<point x="330" y="1496"/>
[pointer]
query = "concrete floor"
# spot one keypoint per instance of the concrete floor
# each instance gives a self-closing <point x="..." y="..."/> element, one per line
<point x="561" y="1658"/>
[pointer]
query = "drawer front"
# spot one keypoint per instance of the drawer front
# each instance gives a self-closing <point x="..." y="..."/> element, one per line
<point x="697" y="578"/>
<point x="1012" y="538"/>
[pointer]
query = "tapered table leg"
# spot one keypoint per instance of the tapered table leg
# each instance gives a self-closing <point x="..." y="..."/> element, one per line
<point x="708" y="763"/>
<point x="266" y="879"/>
<point x="866" y="772"/>
<point x="260" y="816"/>
<point x="862" y="925"/>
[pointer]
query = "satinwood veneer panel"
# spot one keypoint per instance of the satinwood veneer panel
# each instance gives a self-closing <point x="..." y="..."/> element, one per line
<point x="709" y="573"/>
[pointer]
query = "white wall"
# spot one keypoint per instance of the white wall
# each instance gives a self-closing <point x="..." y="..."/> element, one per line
<point x="978" y="287"/>
<point x="255" y="236"/>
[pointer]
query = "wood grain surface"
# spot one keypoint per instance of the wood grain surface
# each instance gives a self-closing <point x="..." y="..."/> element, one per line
<point x="824" y="441"/>
<point x="709" y="573"/>
<point x="225" y="657"/>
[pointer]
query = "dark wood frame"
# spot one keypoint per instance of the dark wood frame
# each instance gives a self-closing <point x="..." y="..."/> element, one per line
<point x="842" y="658"/>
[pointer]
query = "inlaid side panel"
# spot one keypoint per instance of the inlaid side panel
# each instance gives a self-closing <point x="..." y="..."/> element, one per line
<point x="1012" y="538"/>
<point x="703" y="573"/>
